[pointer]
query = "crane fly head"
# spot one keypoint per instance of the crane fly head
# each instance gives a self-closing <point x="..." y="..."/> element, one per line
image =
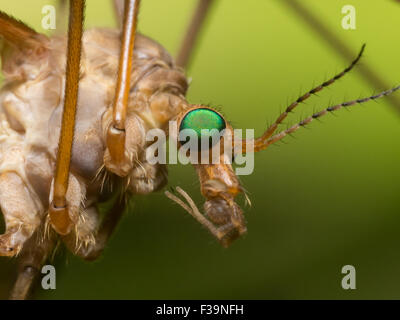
<point x="207" y="138"/>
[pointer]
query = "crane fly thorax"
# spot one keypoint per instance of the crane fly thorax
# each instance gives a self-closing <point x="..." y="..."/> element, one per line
<point x="34" y="101"/>
<point x="31" y="105"/>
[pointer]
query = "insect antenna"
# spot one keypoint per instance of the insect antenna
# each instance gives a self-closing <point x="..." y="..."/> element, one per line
<point x="272" y="128"/>
<point x="275" y="138"/>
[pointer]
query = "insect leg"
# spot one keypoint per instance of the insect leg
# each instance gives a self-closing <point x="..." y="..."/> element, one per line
<point x="22" y="214"/>
<point x="58" y="211"/>
<point x="337" y="44"/>
<point x="35" y="253"/>
<point x="259" y="143"/>
<point x="146" y="178"/>
<point x="116" y="135"/>
<point x="62" y="6"/>
<point x="119" y="11"/>
<point x="303" y="123"/>
<point x="74" y="197"/>
<point x="19" y="34"/>
<point x="91" y="236"/>
<point x="106" y="229"/>
<point x="82" y="238"/>
<point x="192" y="33"/>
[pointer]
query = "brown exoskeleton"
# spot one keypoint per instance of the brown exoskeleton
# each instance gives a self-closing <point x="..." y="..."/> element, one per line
<point x="75" y="107"/>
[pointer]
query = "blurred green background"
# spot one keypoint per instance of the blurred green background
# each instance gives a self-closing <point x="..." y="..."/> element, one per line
<point x="328" y="198"/>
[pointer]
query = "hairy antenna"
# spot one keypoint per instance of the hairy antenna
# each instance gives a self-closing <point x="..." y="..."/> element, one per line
<point x="268" y="133"/>
<point x="320" y="114"/>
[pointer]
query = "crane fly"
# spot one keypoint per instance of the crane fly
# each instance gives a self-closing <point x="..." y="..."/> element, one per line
<point x="77" y="107"/>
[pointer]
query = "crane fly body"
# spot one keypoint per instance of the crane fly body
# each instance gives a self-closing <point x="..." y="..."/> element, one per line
<point x="32" y="105"/>
<point x="74" y="114"/>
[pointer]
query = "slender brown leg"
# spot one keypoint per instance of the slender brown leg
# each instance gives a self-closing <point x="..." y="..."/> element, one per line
<point x="62" y="15"/>
<point x="35" y="253"/>
<point x="58" y="210"/>
<point x="317" y="26"/>
<point x="119" y="11"/>
<point x="19" y="34"/>
<point x="192" y="34"/>
<point x="115" y="157"/>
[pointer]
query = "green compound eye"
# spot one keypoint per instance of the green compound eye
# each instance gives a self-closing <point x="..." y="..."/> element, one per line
<point x="203" y="118"/>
